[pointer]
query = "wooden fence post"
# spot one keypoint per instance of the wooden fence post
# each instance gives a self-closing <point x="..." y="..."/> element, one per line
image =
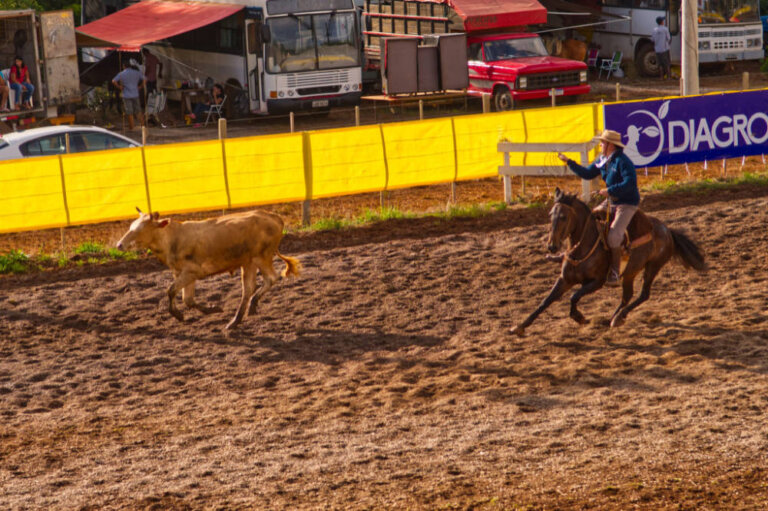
<point x="618" y="91"/>
<point x="386" y="167"/>
<point x="222" y="138"/>
<point x="486" y="103"/>
<point x="306" y="218"/>
<point x="745" y="80"/>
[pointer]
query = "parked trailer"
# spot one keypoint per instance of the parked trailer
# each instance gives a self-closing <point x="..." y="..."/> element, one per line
<point x="503" y="60"/>
<point x="46" y="42"/>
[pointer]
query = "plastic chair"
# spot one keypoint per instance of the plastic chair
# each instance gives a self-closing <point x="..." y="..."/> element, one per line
<point x="592" y="57"/>
<point x="214" y="111"/>
<point x="610" y="65"/>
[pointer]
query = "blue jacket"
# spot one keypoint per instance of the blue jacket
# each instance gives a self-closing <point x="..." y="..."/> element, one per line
<point x="619" y="176"/>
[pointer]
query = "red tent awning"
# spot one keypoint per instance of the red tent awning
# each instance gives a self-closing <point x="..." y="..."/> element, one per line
<point x="151" y="20"/>
<point x="498" y="14"/>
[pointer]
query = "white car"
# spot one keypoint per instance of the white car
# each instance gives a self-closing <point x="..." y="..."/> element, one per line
<point x="51" y="140"/>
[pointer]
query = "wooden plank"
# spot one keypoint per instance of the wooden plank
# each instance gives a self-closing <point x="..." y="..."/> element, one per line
<point x="533" y="171"/>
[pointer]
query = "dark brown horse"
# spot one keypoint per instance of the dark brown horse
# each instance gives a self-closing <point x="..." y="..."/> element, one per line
<point x="652" y="245"/>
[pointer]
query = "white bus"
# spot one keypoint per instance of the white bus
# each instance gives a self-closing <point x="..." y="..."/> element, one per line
<point x="274" y="56"/>
<point x="729" y="30"/>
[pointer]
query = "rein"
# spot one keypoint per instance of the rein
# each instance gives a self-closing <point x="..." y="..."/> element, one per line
<point x="576" y="262"/>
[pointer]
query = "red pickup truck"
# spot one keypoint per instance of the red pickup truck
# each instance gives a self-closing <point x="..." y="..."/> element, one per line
<point x="515" y="67"/>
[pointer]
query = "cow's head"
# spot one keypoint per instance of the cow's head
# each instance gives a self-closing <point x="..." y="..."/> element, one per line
<point x="142" y="231"/>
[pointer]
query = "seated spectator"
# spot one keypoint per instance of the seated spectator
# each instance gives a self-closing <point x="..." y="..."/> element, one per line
<point x="217" y="96"/>
<point x="19" y="78"/>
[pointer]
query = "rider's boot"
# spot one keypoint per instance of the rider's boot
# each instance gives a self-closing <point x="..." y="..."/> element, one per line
<point x="613" y="273"/>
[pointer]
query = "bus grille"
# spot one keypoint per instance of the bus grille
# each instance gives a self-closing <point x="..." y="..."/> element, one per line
<point x="552" y="80"/>
<point x="316" y="79"/>
<point x="311" y="91"/>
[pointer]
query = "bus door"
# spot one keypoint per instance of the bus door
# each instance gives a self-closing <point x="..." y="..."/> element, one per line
<point x="254" y="60"/>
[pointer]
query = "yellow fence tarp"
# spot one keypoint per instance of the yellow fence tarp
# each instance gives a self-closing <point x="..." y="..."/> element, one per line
<point x="31" y="194"/>
<point x="186" y="177"/>
<point x="250" y="171"/>
<point x="347" y="159"/>
<point x="104" y="185"/>
<point x="419" y="152"/>
<point x="264" y="170"/>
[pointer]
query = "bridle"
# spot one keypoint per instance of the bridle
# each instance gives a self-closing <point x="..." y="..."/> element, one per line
<point x="575" y="262"/>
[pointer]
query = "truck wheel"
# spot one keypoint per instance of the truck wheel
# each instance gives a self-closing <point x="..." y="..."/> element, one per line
<point x="502" y="99"/>
<point x="645" y="61"/>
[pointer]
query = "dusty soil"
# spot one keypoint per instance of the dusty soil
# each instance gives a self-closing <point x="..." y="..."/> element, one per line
<point x="384" y="378"/>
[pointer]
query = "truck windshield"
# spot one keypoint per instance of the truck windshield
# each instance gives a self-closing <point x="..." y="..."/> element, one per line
<point x="311" y="42"/>
<point x="728" y="11"/>
<point x="514" y="48"/>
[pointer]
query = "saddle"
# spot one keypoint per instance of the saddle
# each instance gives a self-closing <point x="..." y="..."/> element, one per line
<point x="638" y="233"/>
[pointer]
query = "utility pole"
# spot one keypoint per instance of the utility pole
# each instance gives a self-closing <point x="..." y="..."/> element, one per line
<point x="689" y="68"/>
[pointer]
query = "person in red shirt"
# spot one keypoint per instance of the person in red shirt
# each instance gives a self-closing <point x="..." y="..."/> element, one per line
<point x="19" y="78"/>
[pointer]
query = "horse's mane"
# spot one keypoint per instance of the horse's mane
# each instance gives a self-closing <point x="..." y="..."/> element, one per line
<point x="571" y="199"/>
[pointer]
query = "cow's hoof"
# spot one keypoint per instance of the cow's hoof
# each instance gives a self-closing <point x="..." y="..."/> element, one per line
<point x="554" y="258"/>
<point x="518" y="331"/>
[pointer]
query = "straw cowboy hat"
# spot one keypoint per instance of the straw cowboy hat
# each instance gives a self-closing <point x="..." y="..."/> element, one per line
<point x="612" y="137"/>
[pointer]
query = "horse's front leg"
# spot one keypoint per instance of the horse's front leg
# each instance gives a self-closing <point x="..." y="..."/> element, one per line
<point x="587" y="288"/>
<point x="558" y="290"/>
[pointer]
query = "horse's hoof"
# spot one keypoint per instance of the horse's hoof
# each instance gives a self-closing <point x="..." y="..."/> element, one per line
<point x="178" y="315"/>
<point x="580" y="320"/>
<point x="518" y="331"/>
<point x="617" y="321"/>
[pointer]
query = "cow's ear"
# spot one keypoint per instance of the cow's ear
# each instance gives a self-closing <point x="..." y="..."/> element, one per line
<point x="155" y="215"/>
<point x="163" y="222"/>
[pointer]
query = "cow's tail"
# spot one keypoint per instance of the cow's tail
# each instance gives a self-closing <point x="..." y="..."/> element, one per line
<point x="687" y="252"/>
<point x="292" y="265"/>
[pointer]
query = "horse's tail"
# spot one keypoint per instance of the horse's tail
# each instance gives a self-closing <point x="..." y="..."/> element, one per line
<point x="687" y="252"/>
<point x="292" y="265"/>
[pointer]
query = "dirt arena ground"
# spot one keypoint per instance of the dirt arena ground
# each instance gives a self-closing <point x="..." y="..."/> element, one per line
<point x="384" y="378"/>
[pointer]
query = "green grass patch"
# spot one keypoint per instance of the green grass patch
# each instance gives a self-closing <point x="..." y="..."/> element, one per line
<point x="14" y="262"/>
<point x="709" y="184"/>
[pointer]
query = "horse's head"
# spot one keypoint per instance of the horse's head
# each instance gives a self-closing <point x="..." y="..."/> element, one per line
<point x="563" y="221"/>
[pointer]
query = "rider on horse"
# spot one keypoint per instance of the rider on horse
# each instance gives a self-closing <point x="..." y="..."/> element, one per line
<point x="618" y="172"/>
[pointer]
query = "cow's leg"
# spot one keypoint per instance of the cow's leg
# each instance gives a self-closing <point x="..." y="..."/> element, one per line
<point x="269" y="277"/>
<point x="188" y="295"/>
<point x="183" y="279"/>
<point x="248" y="275"/>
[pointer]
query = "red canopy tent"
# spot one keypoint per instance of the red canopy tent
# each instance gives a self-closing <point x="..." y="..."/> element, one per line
<point x="151" y="20"/>
<point x="481" y="15"/>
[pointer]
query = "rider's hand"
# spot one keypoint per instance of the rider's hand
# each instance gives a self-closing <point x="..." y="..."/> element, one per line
<point x="603" y="192"/>
<point x="562" y="157"/>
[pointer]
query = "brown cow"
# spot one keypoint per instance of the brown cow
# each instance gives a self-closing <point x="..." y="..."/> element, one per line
<point x="197" y="249"/>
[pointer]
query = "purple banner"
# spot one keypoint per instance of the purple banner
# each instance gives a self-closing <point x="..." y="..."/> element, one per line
<point x="680" y="130"/>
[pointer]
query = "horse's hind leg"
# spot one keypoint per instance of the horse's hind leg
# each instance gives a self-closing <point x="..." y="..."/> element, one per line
<point x="558" y="290"/>
<point x="590" y="287"/>
<point x="651" y="270"/>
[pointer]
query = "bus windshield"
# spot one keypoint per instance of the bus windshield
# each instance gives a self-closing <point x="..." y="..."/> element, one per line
<point x="728" y="11"/>
<point x="311" y="42"/>
<point x="514" y="48"/>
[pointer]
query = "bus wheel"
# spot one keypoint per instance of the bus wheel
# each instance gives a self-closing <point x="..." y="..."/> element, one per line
<point x="502" y="99"/>
<point x="645" y="61"/>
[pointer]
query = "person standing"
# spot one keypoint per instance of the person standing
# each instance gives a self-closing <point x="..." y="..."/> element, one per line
<point x="128" y="82"/>
<point x="620" y="177"/>
<point x="661" y="40"/>
<point x="19" y="78"/>
<point x="153" y="69"/>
